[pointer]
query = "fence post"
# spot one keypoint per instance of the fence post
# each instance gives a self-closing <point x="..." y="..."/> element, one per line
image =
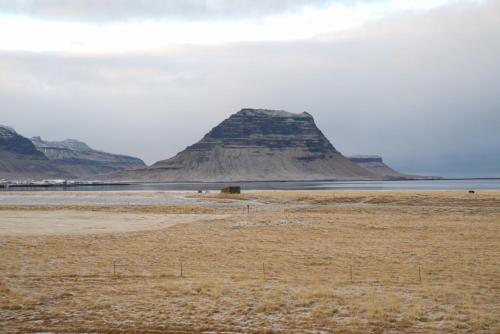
<point x="114" y="268"/>
<point x="248" y="209"/>
<point x="181" y="270"/>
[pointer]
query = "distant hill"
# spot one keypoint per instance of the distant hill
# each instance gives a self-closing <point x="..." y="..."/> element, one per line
<point x="20" y="160"/>
<point x="256" y="145"/>
<point x="376" y="165"/>
<point x="78" y="159"/>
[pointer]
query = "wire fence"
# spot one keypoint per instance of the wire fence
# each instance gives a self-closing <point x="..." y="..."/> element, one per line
<point x="350" y="273"/>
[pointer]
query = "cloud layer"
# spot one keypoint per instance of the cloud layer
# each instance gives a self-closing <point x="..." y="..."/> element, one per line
<point x="98" y="10"/>
<point x="421" y="90"/>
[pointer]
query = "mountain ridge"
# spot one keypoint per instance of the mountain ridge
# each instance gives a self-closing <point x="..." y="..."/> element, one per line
<point x="79" y="159"/>
<point x="19" y="158"/>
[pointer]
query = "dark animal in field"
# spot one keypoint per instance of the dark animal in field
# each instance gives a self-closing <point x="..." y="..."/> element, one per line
<point x="472" y="192"/>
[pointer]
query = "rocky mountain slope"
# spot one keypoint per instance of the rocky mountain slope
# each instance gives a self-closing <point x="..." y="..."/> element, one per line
<point x="256" y="145"/>
<point x="20" y="160"/>
<point x="78" y="159"/>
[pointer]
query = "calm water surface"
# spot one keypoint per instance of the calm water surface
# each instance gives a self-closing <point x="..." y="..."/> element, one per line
<point x="466" y="184"/>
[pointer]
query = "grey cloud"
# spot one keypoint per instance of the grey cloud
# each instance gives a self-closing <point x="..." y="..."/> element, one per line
<point x="422" y="91"/>
<point x="98" y="10"/>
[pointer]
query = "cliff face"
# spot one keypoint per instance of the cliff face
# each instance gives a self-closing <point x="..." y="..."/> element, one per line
<point x="266" y="129"/>
<point x="20" y="160"/>
<point x="80" y="160"/>
<point x="256" y="145"/>
<point x="12" y="142"/>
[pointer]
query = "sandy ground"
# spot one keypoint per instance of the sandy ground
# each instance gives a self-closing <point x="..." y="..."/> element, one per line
<point x="94" y="198"/>
<point x="275" y="262"/>
<point x="66" y="222"/>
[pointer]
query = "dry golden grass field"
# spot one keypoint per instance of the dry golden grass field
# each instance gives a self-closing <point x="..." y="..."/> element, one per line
<point x="291" y="262"/>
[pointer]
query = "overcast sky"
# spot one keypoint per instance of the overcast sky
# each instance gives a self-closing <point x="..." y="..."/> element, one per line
<point x="417" y="82"/>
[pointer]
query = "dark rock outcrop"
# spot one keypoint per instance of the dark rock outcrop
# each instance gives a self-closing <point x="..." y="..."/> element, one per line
<point x="20" y="160"/>
<point x="256" y="145"/>
<point x="80" y="160"/>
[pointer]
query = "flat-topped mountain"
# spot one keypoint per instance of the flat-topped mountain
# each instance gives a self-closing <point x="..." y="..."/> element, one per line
<point x="80" y="160"/>
<point x="256" y="145"/>
<point x="376" y="165"/>
<point x="19" y="158"/>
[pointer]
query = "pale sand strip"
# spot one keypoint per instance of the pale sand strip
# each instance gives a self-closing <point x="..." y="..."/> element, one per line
<point x="87" y="222"/>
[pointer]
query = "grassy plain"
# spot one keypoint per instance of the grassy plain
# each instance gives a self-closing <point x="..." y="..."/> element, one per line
<point x="297" y="262"/>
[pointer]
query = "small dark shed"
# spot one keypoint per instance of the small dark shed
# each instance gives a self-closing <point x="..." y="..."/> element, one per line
<point x="231" y="190"/>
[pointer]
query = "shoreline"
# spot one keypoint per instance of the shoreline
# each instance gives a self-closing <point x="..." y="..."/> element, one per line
<point x="477" y="184"/>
